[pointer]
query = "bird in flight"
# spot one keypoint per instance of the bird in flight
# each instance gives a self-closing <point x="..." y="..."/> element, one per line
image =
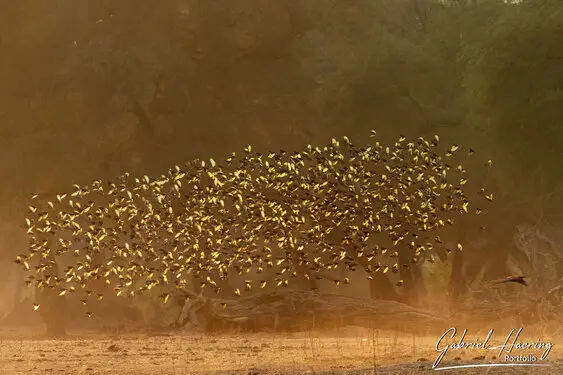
<point x="207" y="219"/>
<point x="515" y="279"/>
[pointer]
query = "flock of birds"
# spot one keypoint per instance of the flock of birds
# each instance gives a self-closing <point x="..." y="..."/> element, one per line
<point x="287" y="215"/>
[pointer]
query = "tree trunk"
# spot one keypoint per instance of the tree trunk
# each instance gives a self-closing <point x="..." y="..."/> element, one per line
<point x="52" y="308"/>
<point x="295" y="310"/>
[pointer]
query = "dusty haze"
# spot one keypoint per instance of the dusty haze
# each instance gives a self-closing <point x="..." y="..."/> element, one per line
<point x="92" y="89"/>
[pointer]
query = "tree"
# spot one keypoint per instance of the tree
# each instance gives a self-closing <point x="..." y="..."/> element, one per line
<point x="514" y="81"/>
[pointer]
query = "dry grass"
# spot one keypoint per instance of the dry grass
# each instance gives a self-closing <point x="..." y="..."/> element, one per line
<point x="348" y="350"/>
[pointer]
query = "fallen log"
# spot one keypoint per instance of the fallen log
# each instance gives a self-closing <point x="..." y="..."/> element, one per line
<point x="301" y="310"/>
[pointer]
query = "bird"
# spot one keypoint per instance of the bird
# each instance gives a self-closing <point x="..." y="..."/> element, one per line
<point x="273" y="212"/>
<point x="514" y="279"/>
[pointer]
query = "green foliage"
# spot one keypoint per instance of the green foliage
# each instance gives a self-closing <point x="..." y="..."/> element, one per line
<point x="514" y="79"/>
<point x="91" y="92"/>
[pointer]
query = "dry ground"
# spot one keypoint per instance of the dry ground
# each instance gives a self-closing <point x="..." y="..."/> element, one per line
<point x="347" y="351"/>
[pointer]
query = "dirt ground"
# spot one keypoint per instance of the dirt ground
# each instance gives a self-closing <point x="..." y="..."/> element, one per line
<point x="346" y="351"/>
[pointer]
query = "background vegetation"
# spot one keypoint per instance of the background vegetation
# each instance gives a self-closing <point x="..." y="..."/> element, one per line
<point x="92" y="89"/>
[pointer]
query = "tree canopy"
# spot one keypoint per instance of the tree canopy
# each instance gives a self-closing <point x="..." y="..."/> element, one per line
<point x="93" y="90"/>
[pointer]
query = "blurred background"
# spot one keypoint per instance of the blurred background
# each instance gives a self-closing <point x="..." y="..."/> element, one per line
<point x="91" y="89"/>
